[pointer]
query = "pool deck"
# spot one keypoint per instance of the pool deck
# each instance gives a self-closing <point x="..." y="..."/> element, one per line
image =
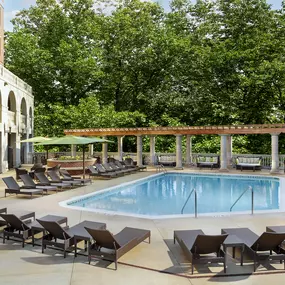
<point x="160" y="262"/>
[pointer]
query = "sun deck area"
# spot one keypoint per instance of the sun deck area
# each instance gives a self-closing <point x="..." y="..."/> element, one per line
<point x="160" y="262"/>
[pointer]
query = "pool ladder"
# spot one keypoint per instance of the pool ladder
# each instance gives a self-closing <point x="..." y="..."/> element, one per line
<point x="160" y="168"/>
<point x="252" y="198"/>
<point x="195" y="200"/>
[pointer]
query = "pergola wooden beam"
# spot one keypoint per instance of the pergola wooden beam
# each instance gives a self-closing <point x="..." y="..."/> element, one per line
<point x="194" y="130"/>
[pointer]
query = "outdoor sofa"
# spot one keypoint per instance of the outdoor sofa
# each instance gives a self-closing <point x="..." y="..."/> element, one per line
<point x="253" y="163"/>
<point x="208" y="161"/>
<point x="200" y="248"/>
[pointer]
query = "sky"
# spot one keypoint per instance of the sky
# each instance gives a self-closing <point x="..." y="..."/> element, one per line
<point x="13" y="6"/>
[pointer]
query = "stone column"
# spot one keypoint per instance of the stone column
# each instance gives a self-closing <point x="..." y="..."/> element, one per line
<point x="178" y="152"/>
<point x="188" y="150"/>
<point x="120" y="147"/>
<point x="139" y="151"/>
<point x="274" y="153"/>
<point x="229" y="150"/>
<point x="73" y="150"/>
<point x="91" y="150"/>
<point x="223" y="158"/>
<point x="152" y="150"/>
<point x="104" y="151"/>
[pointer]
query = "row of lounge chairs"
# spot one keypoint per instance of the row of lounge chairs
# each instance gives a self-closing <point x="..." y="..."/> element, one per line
<point x="113" y="169"/>
<point x="45" y="185"/>
<point x="101" y="242"/>
<point x="201" y="248"/>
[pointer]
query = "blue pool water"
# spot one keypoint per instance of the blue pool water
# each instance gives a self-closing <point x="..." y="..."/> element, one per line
<point x="166" y="194"/>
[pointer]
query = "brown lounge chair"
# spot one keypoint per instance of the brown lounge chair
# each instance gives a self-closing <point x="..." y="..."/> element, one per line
<point x="14" y="188"/>
<point x="55" y="177"/>
<point x="68" y="177"/>
<point x="17" y="228"/>
<point x="120" y="243"/>
<point x="129" y="162"/>
<point x="64" y="238"/>
<point x="95" y="173"/>
<point x="256" y="245"/>
<point x="197" y="247"/>
<point x="29" y="183"/>
<point x="3" y="222"/>
<point x="102" y="170"/>
<point x="45" y="181"/>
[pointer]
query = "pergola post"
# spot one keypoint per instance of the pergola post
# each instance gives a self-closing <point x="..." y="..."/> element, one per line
<point x="274" y="153"/>
<point x="104" y="151"/>
<point x="91" y="150"/>
<point x="178" y="152"/>
<point x="152" y="150"/>
<point x="139" y="151"/>
<point x="73" y="150"/>
<point x="188" y="150"/>
<point x="223" y="159"/>
<point x="229" y="149"/>
<point x="120" y="147"/>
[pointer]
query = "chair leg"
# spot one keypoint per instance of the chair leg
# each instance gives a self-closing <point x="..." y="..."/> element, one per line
<point x="89" y="258"/>
<point x="64" y="253"/>
<point x="23" y="242"/>
<point x="4" y="237"/>
<point x="116" y="264"/>
<point x="192" y="267"/>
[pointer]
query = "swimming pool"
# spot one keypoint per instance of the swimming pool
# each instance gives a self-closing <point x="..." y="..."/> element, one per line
<point x="164" y="195"/>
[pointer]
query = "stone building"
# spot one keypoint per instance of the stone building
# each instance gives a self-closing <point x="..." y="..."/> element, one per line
<point x="16" y="113"/>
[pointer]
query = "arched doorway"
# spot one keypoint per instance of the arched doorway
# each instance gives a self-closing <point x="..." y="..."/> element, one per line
<point x="23" y="130"/>
<point x="12" y="108"/>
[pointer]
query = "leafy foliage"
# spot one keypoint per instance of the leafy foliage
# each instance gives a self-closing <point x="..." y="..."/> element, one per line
<point x="131" y="64"/>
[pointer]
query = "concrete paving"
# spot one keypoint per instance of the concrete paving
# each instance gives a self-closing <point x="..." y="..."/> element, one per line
<point x="160" y="262"/>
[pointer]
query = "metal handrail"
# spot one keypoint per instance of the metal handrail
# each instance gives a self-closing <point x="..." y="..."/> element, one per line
<point x="252" y="198"/>
<point x="195" y="193"/>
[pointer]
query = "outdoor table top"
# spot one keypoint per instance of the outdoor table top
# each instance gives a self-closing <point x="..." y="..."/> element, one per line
<point x="232" y="241"/>
<point x="80" y="232"/>
<point x="50" y="218"/>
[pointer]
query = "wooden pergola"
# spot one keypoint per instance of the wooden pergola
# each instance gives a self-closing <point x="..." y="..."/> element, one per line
<point x="224" y="131"/>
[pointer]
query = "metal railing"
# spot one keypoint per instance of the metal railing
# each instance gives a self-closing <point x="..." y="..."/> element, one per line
<point x="252" y="199"/>
<point x="195" y="201"/>
<point x="160" y="168"/>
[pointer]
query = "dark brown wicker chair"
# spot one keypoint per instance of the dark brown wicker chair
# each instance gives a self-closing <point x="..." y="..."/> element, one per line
<point x="17" y="228"/>
<point x="67" y="177"/>
<point x="55" y="177"/>
<point x="120" y="243"/>
<point x="256" y="245"/>
<point x="14" y="188"/>
<point x="199" y="247"/>
<point x="63" y="238"/>
<point x="20" y="171"/>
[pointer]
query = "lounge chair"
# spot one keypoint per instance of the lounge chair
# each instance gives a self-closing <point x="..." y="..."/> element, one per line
<point x="3" y="222"/>
<point x="119" y="244"/>
<point x="198" y="247"/>
<point x="68" y="177"/>
<point x="14" y="188"/>
<point x="121" y="168"/>
<point x="20" y="171"/>
<point x="64" y="238"/>
<point x="94" y="173"/>
<point x="17" y="228"/>
<point x="129" y="162"/>
<point x="110" y="168"/>
<point x="45" y="181"/>
<point x="53" y="175"/>
<point x="29" y="183"/>
<point x="102" y="170"/>
<point x="256" y="245"/>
